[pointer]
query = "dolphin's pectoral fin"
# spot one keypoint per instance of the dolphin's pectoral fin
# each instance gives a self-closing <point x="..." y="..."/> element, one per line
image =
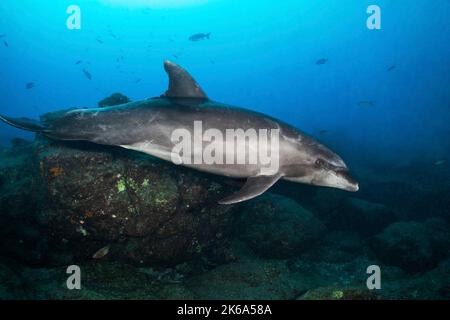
<point x="254" y="187"/>
<point x="181" y="83"/>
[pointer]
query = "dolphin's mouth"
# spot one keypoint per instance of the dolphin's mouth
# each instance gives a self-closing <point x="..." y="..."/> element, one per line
<point x="351" y="184"/>
<point x="354" y="188"/>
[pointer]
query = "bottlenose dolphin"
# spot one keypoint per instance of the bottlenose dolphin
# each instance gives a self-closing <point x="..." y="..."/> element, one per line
<point x="148" y="126"/>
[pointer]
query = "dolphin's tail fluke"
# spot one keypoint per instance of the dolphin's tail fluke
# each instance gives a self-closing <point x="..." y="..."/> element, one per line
<point x="25" y="124"/>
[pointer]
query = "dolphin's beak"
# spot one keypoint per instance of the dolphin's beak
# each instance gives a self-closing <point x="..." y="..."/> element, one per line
<point x="350" y="184"/>
<point x="354" y="188"/>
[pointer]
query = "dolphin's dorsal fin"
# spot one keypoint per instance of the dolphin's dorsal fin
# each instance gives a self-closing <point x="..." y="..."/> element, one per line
<point x="181" y="84"/>
<point x="254" y="187"/>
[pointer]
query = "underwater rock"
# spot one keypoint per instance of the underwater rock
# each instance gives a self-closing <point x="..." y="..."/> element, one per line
<point x="145" y="210"/>
<point x="340" y="212"/>
<point x="105" y="280"/>
<point x="340" y="293"/>
<point x="20" y="198"/>
<point x="61" y="203"/>
<point x="432" y="285"/>
<point x="437" y="202"/>
<point x="277" y="227"/>
<point x="114" y="100"/>
<point x="414" y="247"/>
<point x="19" y="142"/>
<point x="398" y="195"/>
<point x="337" y="247"/>
<point x="11" y="286"/>
<point x="363" y="217"/>
<point x="251" y="279"/>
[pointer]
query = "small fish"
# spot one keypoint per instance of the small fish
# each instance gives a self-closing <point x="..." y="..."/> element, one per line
<point x="112" y="34"/>
<point x="391" y="68"/>
<point x="103" y="252"/>
<point x="138" y="80"/>
<point x="175" y="56"/>
<point x="366" y="103"/>
<point x="323" y="131"/>
<point x="87" y="74"/>
<point x="30" y="85"/>
<point x="2" y="35"/>
<point x="99" y="40"/>
<point x="439" y="162"/>
<point x="321" y="61"/>
<point x="200" y="36"/>
<point x="78" y="62"/>
<point x="6" y="44"/>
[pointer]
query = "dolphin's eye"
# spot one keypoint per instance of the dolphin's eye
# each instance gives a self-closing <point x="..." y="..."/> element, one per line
<point x="320" y="163"/>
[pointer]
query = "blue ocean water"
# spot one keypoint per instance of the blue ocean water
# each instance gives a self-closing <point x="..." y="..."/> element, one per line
<point x="379" y="98"/>
<point x="261" y="55"/>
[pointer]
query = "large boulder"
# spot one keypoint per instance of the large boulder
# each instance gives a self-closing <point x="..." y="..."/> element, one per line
<point x="278" y="227"/>
<point x="21" y="196"/>
<point x="142" y="209"/>
<point x="362" y="217"/>
<point x="414" y="247"/>
<point x="111" y="204"/>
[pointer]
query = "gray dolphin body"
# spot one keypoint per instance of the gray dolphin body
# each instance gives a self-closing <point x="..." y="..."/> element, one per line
<point x="148" y="126"/>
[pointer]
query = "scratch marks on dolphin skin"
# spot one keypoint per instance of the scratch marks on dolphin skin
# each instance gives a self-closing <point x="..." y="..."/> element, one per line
<point x="291" y="139"/>
<point x="149" y="147"/>
<point x="153" y="118"/>
<point x="103" y="127"/>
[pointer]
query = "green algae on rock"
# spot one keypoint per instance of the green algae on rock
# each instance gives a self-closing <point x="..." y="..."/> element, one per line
<point x="146" y="210"/>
